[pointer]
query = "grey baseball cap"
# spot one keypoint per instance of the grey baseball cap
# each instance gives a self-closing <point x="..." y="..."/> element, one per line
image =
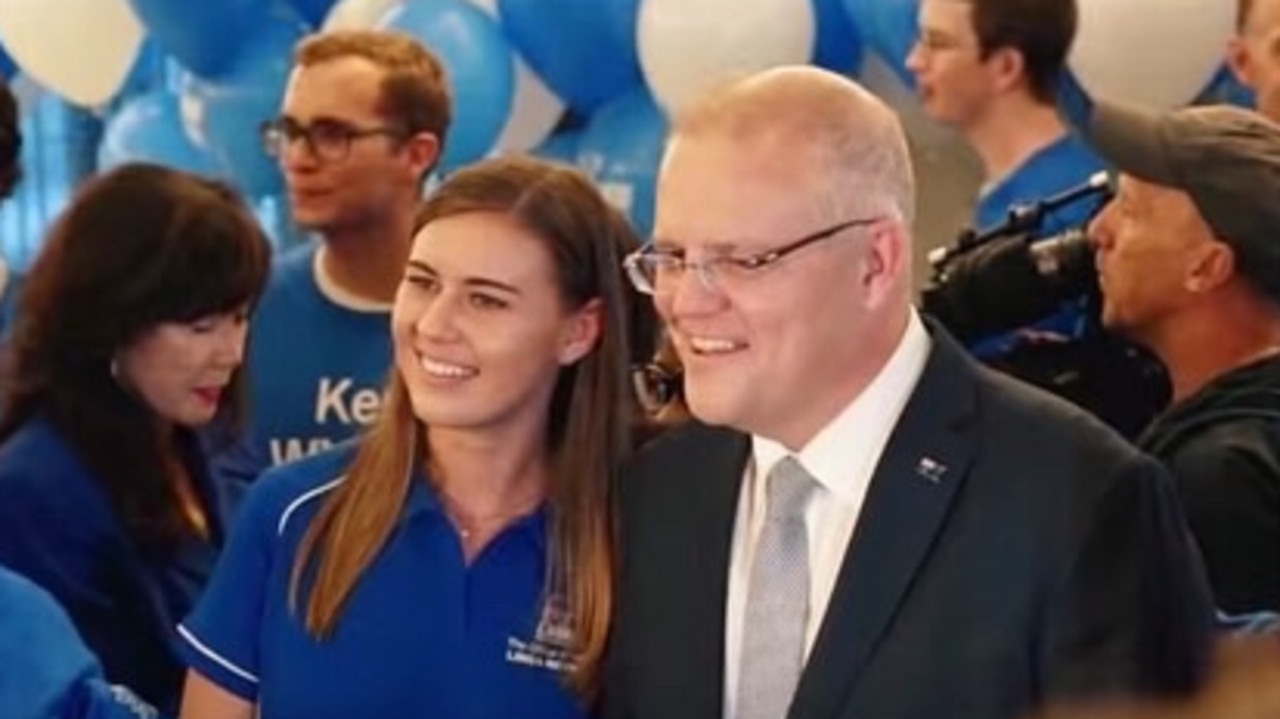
<point x="1226" y="158"/>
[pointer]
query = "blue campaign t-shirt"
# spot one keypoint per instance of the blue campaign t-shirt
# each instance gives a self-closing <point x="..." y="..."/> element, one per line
<point x="1055" y="168"/>
<point x="423" y="635"/>
<point x="317" y="362"/>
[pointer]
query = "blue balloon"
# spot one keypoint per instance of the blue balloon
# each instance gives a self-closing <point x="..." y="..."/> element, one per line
<point x="561" y="146"/>
<point x="585" y="50"/>
<point x="889" y="28"/>
<point x="148" y="71"/>
<point x="313" y="11"/>
<point x="1225" y="88"/>
<point x="228" y="112"/>
<point x="480" y="65"/>
<point x="838" y="46"/>
<point x="204" y="35"/>
<point x="148" y="128"/>
<point x="621" y="148"/>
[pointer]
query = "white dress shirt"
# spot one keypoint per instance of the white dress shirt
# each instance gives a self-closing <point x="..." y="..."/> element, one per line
<point x="842" y="457"/>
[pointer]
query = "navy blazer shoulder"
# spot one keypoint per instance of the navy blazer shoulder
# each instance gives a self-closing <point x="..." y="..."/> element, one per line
<point x="59" y="529"/>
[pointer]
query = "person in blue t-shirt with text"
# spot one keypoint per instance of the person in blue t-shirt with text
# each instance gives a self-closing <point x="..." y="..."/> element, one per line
<point x="456" y="560"/>
<point x="989" y="68"/>
<point x="363" y="121"/>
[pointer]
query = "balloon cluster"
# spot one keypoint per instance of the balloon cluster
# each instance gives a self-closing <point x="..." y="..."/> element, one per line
<point x="592" y="82"/>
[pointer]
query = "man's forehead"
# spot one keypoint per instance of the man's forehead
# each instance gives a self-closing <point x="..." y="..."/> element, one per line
<point x="341" y="88"/>
<point x="945" y="14"/>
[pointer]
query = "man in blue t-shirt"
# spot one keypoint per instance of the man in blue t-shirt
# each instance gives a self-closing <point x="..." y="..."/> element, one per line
<point x="363" y="121"/>
<point x="989" y="69"/>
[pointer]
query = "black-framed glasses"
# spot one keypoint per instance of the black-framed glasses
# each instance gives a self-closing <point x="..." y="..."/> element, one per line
<point x="652" y="270"/>
<point x="327" y="140"/>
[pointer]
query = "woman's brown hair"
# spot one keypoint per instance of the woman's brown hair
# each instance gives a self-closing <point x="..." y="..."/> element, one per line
<point x="138" y="246"/>
<point x="589" y="427"/>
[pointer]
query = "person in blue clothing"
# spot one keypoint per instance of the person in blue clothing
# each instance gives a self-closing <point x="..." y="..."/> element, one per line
<point x="363" y="120"/>
<point x="129" y="336"/>
<point x="456" y="560"/>
<point x="46" y="671"/>
<point x="989" y="69"/>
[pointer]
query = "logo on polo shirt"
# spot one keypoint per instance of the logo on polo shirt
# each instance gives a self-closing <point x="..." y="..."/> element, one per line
<point x="551" y="646"/>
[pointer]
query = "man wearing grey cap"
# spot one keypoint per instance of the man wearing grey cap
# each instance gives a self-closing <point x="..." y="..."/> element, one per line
<point x="1189" y="265"/>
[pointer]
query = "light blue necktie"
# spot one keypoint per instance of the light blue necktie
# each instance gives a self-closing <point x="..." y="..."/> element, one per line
<point x="777" y="610"/>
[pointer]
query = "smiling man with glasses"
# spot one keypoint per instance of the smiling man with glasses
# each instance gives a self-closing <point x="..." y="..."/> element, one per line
<point x="864" y="522"/>
<point x="363" y="121"/>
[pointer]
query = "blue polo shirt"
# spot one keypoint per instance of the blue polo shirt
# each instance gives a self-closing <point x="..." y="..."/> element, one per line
<point x="423" y="635"/>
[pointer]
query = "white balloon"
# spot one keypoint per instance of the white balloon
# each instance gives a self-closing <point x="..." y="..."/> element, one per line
<point x="80" y="49"/>
<point x="688" y="46"/>
<point x="1159" y="53"/>
<point x="535" y="111"/>
<point x="356" y="14"/>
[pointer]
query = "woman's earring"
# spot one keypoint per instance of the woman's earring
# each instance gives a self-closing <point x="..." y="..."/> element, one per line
<point x="114" y="369"/>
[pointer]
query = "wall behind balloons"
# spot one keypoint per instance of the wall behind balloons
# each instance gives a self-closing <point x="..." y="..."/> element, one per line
<point x="591" y="82"/>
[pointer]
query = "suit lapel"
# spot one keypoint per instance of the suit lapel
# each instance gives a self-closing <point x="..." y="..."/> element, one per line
<point x="907" y="502"/>
<point x="707" y="519"/>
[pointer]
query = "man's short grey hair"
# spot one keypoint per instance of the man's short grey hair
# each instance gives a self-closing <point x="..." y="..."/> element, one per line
<point x="850" y="136"/>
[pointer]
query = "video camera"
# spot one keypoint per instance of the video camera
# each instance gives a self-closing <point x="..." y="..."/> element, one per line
<point x="1011" y="277"/>
<point x="1007" y="277"/>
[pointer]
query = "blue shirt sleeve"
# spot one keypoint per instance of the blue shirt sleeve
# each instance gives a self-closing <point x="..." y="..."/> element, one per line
<point x="47" y="670"/>
<point x="220" y="639"/>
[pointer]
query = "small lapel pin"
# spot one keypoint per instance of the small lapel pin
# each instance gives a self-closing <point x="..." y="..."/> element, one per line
<point x="931" y="469"/>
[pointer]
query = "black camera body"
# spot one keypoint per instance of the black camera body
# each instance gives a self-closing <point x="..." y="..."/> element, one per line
<point x="1009" y="278"/>
<point x="1010" y="282"/>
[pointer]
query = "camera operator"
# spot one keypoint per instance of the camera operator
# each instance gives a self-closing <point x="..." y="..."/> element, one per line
<point x="989" y="69"/>
<point x="1188" y="258"/>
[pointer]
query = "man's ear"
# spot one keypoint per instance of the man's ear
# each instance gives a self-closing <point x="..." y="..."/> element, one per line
<point x="423" y="152"/>
<point x="1009" y="66"/>
<point x="887" y="257"/>
<point x="1211" y="266"/>
<point x="582" y="332"/>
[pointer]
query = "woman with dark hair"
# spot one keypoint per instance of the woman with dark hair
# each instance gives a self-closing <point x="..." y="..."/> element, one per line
<point x="129" y="335"/>
<point x="456" y="561"/>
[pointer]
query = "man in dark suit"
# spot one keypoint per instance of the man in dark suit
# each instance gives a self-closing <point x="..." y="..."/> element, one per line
<point x="865" y="523"/>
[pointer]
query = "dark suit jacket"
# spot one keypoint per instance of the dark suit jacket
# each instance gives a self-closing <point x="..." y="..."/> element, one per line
<point x="1048" y="559"/>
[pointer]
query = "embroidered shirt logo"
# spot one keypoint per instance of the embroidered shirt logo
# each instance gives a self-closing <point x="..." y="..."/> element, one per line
<point x="551" y="646"/>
